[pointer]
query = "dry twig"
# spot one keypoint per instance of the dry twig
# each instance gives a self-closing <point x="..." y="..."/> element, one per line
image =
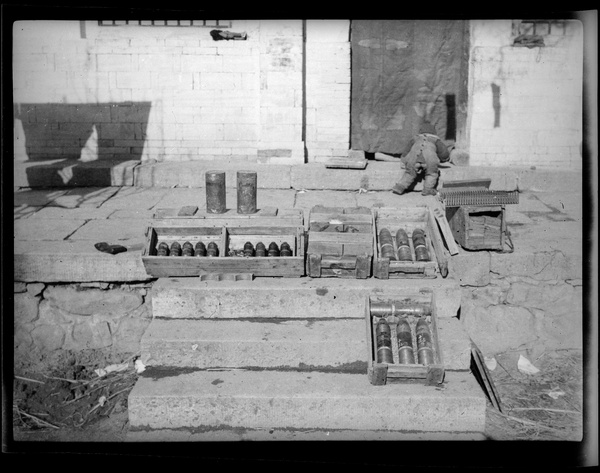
<point x="36" y="419"/>
<point x="22" y="378"/>
<point x="543" y="409"/>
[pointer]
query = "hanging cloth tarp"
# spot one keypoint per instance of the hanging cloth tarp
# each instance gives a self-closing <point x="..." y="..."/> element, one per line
<point x="403" y="73"/>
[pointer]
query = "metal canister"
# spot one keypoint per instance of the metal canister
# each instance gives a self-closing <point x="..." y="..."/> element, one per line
<point x="175" y="249"/>
<point x="260" y="249"/>
<point x="162" y="249"/>
<point x="420" y="244"/>
<point x="246" y="192"/>
<point x="383" y="336"/>
<point x="200" y="249"/>
<point x="406" y="355"/>
<point x="424" y="343"/>
<point x="187" y="249"/>
<point x="212" y="249"/>
<point x="273" y="249"/>
<point x="387" y="244"/>
<point x="285" y="249"/>
<point x="215" y="192"/>
<point x="403" y="245"/>
<point x="248" y="249"/>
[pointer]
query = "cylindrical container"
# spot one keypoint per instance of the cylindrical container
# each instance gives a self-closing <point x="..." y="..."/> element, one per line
<point x="212" y="249"/>
<point x="260" y="249"/>
<point x="406" y="355"/>
<point x="386" y="243"/>
<point x="273" y="249"/>
<point x="175" y="249"/>
<point x="285" y="249"/>
<point x="246" y="192"/>
<point x="418" y="237"/>
<point x="424" y="343"/>
<point x="187" y="249"/>
<point x="200" y="249"/>
<point x="162" y="249"/>
<point x="403" y="246"/>
<point x="383" y="309"/>
<point x="215" y="192"/>
<point x="383" y="336"/>
<point x="248" y="249"/>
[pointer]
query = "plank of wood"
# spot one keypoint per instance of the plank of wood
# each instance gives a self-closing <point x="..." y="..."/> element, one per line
<point x="314" y="265"/>
<point x="485" y="377"/>
<point x="340" y="218"/>
<point x="345" y="163"/>
<point x="436" y="207"/>
<point x="187" y="211"/>
<point x="438" y="246"/>
<point x="342" y="238"/>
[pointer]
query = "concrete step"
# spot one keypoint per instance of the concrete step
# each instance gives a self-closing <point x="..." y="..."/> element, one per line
<point x="213" y="405"/>
<point x="275" y="343"/>
<point x="334" y="344"/>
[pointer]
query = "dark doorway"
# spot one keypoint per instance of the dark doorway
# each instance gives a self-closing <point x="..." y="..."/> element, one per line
<point x="405" y="72"/>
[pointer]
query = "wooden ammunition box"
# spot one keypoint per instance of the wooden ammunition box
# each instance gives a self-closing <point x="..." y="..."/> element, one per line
<point x="230" y="232"/>
<point x="340" y="242"/>
<point x="409" y="219"/>
<point x="402" y="308"/>
<point x="477" y="227"/>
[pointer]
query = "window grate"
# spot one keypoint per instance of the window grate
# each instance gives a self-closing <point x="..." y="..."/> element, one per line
<point x="538" y="27"/>
<point x="192" y="23"/>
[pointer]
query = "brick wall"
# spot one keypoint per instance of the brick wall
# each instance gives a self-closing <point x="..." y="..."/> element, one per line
<point x="525" y="104"/>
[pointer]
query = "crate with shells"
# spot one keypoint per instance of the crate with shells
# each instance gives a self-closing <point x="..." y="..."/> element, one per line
<point x="340" y="242"/>
<point x="402" y="339"/>
<point x="201" y="249"/>
<point x="408" y="244"/>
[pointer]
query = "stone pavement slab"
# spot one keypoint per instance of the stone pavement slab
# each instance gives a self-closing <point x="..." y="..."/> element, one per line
<point x="306" y="200"/>
<point x="24" y="211"/>
<point x="303" y="400"/>
<point x="84" y="197"/>
<point x="80" y="213"/>
<point x="33" y="229"/>
<point x="135" y="198"/>
<point x="113" y="230"/>
<point x="36" y="197"/>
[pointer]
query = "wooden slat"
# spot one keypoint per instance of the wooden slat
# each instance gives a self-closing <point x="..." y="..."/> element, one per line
<point x="187" y="211"/>
<point x="314" y="265"/>
<point x="322" y="248"/>
<point x="440" y="216"/>
<point x="340" y="218"/>
<point x="342" y="238"/>
<point x="344" y="163"/>
<point x="438" y="246"/>
<point x="339" y="262"/>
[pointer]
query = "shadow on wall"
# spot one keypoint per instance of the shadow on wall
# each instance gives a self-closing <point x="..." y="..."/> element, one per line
<point x="71" y="144"/>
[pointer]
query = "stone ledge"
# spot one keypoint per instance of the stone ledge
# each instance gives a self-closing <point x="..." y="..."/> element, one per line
<point x="74" y="173"/>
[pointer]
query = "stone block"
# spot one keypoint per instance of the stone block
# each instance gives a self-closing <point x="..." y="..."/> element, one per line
<point x="92" y="301"/>
<point x="19" y="287"/>
<point x="542" y="265"/>
<point x="454" y="343"/>
<point x="499" y="328"/>
<point x="470" y="269"/>
<point x="35" y="289"/>
<point x="25" y="308"/>
<point x="86" y="335"/>
<point x="113" y="230"/>
<point x="48" y="337"/>
<point x="42" y="229"/>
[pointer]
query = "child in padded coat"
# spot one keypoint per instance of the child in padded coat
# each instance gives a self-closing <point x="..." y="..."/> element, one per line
<point x="423" y="153"/>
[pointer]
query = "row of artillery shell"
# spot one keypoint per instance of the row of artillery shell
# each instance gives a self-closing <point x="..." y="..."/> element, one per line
<point x="403" y="253"/>
<point x="212" y="249"/>
<point x="424" y="344"/>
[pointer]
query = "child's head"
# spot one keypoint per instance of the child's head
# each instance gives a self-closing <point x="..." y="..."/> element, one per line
<point x="427" y="128"/>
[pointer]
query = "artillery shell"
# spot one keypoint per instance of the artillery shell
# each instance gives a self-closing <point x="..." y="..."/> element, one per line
<point x="420" y="245"/>
<point x="212" y="249"/>
<point x="163" y="249"/>
<point x="382" y="309"/>
<point x="403" y="246"/>
<point x="260" y="249"/>
<point x="405" y="345"/>
<point x="175" y="249"/>
<point x="215" y="192"/>
<point x="273" y="249"/>
<point x="383" y="336"/>
<point x="387" y="244"/>
<point x="200" y="249"/>
<point x="285" y="249"/>
<point x="248" y="249"/>
<point x="246" y="192"/>
<point x="424" y="343"/>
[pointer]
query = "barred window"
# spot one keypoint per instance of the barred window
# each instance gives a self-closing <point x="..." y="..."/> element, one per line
<point x="196" y="23"/>
<point x="538" y="27"/>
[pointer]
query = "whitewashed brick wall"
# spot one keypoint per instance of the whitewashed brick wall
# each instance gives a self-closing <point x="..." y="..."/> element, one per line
<point x="327" y="89"/>
<point x="540" y="97"/>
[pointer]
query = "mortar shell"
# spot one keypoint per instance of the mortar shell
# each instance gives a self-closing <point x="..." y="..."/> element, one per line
<point x="212" y="249"/>
<point x="248" y="249"/>
<point x="406" y="355"/>
<point x="162" y="249"/>
<point x="382" y="309"/>
<point x="175" y="249"/>
<point x="383" y="336"/>
<point x="273" y="249"/>
<point x="285" y="249"/>
<point x="215" y="192"/>
<point x="387" y="244"/>
<point x="260" y="249"/>
<point x="200" y="249"/>
<point x="424" y="343"/>
<point x="420" y="244"/>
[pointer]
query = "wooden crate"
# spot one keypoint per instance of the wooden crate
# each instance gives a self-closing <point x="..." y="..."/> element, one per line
<point x="382" y="373"/>
<point x="229" y="240"/>
<point x="340" y="242"/>
<point x="409" y="219"/>
<point x="477" y="227"/>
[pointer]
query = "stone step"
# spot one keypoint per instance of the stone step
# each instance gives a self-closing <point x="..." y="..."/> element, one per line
<point x="290" y="298"/>
<point x="334" y="344"/>
<point x="276" y="343"/>
<point x="214" y="404"/>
